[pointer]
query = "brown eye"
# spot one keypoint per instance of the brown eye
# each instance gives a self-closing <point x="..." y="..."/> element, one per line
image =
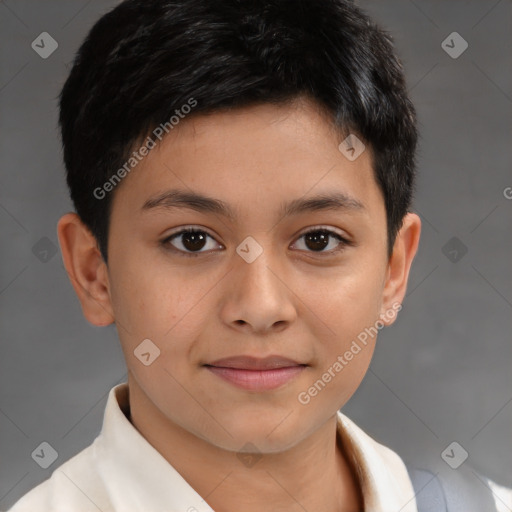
<point x="318" y="240"/>
<point x="190" y="242"/>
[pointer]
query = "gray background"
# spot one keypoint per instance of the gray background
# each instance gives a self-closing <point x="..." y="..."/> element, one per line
<point x="442" y="373"/>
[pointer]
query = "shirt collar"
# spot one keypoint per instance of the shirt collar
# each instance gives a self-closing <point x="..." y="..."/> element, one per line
<point x="383" y="477"/>
<point x="127" y="460"/>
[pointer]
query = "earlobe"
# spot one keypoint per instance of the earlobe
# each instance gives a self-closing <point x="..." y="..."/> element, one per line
<point x="399" y="266"/>
<point x="86" y="269"/>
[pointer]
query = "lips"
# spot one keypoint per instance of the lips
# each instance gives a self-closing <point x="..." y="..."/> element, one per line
<point x="256" y="374"/>
<point x="254" y="363"/>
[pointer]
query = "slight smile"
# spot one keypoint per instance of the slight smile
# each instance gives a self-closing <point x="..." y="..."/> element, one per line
<point x="255" y="374"/>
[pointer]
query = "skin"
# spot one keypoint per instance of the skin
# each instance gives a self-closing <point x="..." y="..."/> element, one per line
<point x="291" y="301"/>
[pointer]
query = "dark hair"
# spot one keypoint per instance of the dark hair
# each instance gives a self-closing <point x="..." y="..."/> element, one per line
<point x="146" y="58"/>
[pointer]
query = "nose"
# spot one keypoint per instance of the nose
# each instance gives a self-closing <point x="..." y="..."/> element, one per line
<point x="259" y="295"/>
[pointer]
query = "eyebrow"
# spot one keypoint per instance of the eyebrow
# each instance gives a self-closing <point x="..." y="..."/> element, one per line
<point x="172" y="199"/>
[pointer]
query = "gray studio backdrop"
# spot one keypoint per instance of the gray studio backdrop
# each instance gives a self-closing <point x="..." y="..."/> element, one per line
<point x="441" y="374"/>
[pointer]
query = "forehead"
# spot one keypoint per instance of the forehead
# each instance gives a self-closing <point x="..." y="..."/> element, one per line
<point x="252" y="159"/>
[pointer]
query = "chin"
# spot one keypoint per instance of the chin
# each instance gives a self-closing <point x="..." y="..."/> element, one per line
<point x="271" y="432"/>
<point x="249" y="442"/>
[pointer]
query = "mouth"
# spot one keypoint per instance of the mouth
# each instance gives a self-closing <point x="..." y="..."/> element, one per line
<point x="256" y="374"/>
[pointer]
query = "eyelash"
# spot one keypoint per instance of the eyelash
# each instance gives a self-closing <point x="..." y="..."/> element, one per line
<point x="343" y="241"/>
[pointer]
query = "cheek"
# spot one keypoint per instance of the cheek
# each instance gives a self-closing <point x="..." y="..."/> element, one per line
<point x="345" y="301"/>
<point x="349" y="305"/>
<point x="152" y="301"/>
<point x="170" y="307"/>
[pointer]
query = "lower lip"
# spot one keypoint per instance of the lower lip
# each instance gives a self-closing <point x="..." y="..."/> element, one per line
<point x="257" y="380"/>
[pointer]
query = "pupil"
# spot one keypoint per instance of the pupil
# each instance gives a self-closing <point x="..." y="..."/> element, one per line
<point x="193" y="240"/>
<point x="317" y="240"/>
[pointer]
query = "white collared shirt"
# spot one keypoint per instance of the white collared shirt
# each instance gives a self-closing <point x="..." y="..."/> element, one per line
<point x="122" y="472"/>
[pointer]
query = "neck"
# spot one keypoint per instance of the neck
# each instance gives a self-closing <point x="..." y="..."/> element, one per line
<point x="315" y="475"/>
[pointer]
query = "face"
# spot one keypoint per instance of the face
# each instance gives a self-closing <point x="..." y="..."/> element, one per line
<point x="258" y="312"/>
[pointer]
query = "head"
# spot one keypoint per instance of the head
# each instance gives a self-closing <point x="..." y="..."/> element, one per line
<point x="297" y="247"/>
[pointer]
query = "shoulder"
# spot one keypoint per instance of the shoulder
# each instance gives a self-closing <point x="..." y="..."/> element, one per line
<point x="453" y="490"/>
<point x="436" y="487"/>
<point x="75" y="486"/>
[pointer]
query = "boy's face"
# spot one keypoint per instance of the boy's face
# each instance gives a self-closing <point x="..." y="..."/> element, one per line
<point x="294" y="302"/>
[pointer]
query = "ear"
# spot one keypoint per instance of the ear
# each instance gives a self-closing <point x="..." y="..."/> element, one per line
<point x="86" y="269"/>
<point x="399" y="265"/>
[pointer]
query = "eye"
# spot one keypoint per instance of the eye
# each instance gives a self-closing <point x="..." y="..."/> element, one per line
<point x="318" y="239"/>
<point x="189" y="241"/>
